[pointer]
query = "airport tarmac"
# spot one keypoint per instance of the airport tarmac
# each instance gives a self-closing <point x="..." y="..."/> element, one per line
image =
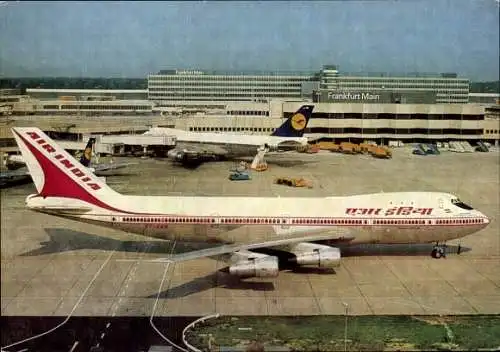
<point x="55" y="267"/>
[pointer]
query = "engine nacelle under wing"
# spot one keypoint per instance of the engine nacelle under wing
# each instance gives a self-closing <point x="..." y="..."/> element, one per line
<point x="309" y="254"/>
<point x="257" y="267"/>
<point x="189" y="157"/>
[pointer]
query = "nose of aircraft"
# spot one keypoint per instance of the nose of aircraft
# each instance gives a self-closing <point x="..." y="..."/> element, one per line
<point x="484" y="219"/>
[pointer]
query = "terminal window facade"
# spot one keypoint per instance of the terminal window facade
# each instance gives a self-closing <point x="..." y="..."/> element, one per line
<point x="445" y="88"/>
<point x="394" y="131"/>
<point x="319" y="115"/>
<point x="243" y="87"/>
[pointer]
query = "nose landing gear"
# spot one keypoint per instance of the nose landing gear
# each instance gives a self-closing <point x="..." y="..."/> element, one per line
<point x="439" y="251"/>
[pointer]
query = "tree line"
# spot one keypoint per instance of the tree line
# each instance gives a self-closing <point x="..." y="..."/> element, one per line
<point x="485" y="87"/>
<point x="74" y="83"/>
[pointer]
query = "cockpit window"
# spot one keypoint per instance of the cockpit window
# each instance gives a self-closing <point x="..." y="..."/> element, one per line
<point x="461" y="204"/>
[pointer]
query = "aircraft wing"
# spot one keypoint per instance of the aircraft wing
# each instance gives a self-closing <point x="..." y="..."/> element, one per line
<point x="202" y="148"/>
<point x="275" y="242"/>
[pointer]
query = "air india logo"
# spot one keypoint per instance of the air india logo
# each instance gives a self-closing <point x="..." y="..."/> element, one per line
<point x="298" y="122"/>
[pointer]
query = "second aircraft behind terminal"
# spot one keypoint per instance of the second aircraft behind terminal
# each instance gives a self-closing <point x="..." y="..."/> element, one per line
<point x="193" y="148"/>
<point x="70" y="190"/>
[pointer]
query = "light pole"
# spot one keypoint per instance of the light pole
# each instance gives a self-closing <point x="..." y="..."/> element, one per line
<point x="346" y="307"/>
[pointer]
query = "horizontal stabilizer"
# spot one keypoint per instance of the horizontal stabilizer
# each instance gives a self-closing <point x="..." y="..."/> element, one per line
<point x="62" y="209"/>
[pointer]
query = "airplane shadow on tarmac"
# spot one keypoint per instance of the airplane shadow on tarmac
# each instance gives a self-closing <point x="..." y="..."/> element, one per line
<point x="64" y="240"/>
<point x="223" y="279"/>
<point x="213" y="280"/>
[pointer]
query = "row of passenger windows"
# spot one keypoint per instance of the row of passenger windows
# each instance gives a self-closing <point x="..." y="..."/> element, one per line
<point x="277" y="221"/>
<point x="272" y="221"/>
<point x="491" y="131"/>
<point x="231" y="129"/>
<point x="459" y="221"/>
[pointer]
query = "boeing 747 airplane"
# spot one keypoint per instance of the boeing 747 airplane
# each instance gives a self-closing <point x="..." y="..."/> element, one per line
<point x="67" y="189"/>
<point x="197" y="147"/>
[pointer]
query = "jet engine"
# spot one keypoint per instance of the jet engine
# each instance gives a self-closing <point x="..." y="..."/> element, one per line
<point x="310" y="254"/>
<point x="177" y="155"/>
<point x="257" y="267"/>
<point x="190" y="157"/>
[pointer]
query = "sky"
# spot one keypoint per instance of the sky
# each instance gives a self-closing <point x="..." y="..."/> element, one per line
<point x="133" y="39"/>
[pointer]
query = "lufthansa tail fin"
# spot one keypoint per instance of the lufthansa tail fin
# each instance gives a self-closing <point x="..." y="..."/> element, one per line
<point x="55" y="172"/>
<point x="296" y="124"/>
<point x="86" y="157"/>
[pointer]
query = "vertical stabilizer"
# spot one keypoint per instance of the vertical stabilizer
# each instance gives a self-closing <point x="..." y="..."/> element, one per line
<point x="55" y="172"/>
<point x="86" y="157"/>
<point x="296" y="125"/>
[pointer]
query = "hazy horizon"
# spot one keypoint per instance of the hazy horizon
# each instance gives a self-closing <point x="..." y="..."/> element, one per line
<point x="133" y="39"/>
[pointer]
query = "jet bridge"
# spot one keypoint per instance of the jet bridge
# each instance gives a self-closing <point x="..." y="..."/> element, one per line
<point x="109" y="144"/>
<point x="133" y="139"/>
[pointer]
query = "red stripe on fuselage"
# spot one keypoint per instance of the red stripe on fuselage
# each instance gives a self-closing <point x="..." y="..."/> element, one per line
<point x="59" y="184"/>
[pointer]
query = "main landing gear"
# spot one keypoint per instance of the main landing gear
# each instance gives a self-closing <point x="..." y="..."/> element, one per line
<point x="439" y="251"/>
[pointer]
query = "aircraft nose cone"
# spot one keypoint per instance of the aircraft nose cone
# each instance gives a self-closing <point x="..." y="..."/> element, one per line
<point x="485" y="220"/>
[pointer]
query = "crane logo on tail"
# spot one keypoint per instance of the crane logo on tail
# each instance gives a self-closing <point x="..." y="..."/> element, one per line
<point x="298" y="122"/>
<point x="87" y="153"/>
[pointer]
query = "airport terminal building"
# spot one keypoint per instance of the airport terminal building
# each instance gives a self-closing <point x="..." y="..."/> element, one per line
<point x="418" y="88"/>
<point x="196" y="85"/>
<point x="327" y="85"/>
<point x="359" y="122"/>
<point x="174" y="88"/>
<point x="347" y="107"/>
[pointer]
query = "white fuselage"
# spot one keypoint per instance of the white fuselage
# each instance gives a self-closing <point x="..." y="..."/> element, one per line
<point x="408" y="217"/>
<point x="68" y="189"/>
<point x="233" y="144"/>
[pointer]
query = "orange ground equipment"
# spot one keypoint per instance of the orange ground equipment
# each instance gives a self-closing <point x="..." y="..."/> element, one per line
<point x="293" y="182"/>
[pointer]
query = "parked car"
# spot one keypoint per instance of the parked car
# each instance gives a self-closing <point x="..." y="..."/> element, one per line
<point x="239" y="176"/>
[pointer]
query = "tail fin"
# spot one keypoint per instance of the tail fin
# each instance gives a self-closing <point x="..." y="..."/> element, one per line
<point x="86" y="157"/>
<point x="296" y="124"/>
<point x="55" y="172"/>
